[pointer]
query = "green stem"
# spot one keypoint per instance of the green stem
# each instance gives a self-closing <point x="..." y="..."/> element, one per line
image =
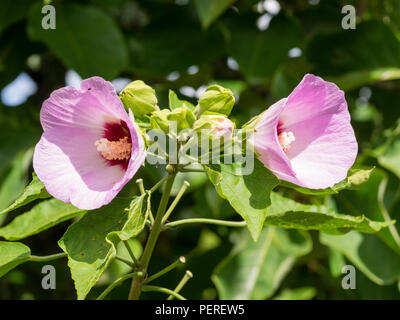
<point x="140" y="185"/>
<point x="115" y="283"/>
<point x="175" y="202"/>
<point x="126" y="261"/>
<point x="191" y="170"/>
<point x="163" y="290"/>
<point x="188" y="275"/>
<point x="128" y="247"/>
<point x="160" y="273"/>
<point x="47" y="258"/>
<point x="137" y="282"/>
<point x="158" y="184"/>
<point x="208" y="221"/>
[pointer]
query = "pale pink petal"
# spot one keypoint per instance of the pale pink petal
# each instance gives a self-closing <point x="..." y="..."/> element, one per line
<point x="265" y="141"/>
<point x="325" y="147"/>
<point x="66" y="158"/>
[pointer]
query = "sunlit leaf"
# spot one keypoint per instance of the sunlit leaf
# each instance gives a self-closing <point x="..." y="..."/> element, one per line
<point x="35" y="190"/>
<point x="12" y="254"/>
<point x="43" y="216"/>
<point x="248" y="194"/>
<point x="254" y="270"/>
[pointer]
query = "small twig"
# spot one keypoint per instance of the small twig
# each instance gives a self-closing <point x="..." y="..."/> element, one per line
<point x="172" y="266"/>
<point x="176" y="200"/>
<point x="188" y="275"/>
<point x="47" y="258"/>
<point x="163" y="290"/>
<point x="128" y="247"/>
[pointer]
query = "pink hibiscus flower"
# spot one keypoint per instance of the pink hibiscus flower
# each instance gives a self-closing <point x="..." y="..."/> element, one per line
<point x="307" y="138"/>
<point x="90" y="147"/>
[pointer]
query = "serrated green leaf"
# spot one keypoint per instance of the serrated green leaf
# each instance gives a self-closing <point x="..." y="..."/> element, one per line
<point x="90" y="242"/>
<point x="249" y="194"/>
<point x="138" y="213"/>
<point x="369" y="254"/>
<point x="35" y="190"/>
<point x="210" y="10"/>
<point x="43" y="216"/>
<point x="85" y="38"/>
<point x="286" y="213"/>
<point x="11" y="255"/>
<point x="254" y="270"/>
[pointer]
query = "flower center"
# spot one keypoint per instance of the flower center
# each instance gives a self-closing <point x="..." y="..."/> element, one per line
<point x="285" y="139"/>
<point x="114" y="150"/>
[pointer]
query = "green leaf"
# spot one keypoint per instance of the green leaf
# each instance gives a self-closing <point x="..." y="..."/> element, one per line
<point x="35" y="190"/>
<point x="43" y="216"/>
<point x="303" y="293"/>
<point x="355" y="179"/>
<point x="369" y="254"/>
<point x="12" y="11"/>
<point x="156" y="51"/>
<point x="259" y="53"/>
<point x="210" y="10"/>
<point x="175" y="102"/>
<point x="254" y="270"/>
<point x="91" y="241"/>
<point x="355" y="79"/>
<point x="249" y="194"/>
<point x="15" y="178"/>
<point x="370" y="201"/>
<point x="389" y="153"/>
<point x="336" y="262"/>
<point x="85" y="39"/>
<point x="11" y="255"/>
<point x="286" y="213"/>
<point x="138" y="213"/>
<point x="372" y="45"/>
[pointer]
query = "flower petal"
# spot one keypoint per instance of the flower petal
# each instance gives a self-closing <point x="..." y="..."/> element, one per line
<point x="265" y="141"/>
<point x="325" y="146"/>
<point x="66" y="159"/>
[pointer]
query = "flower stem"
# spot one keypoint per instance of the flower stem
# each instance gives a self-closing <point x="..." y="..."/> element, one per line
<point x="208" y="221"/>
<point x="126" y="261"/>
<point x="137" y="282"/>
<point x="160" y="273"/>
<point x="128" y="247"/>
<point x="47" y="258"/>
<point x="188" y="275"/>
<point x="163" y="290"/>
<point x="139" y="182"/>
<point x="115" y="283"/>
<point x="176" y="200"/>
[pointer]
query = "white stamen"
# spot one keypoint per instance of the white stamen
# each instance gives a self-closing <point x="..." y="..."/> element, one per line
<point x="285" y="139"/>
<point x="114" y="150"/>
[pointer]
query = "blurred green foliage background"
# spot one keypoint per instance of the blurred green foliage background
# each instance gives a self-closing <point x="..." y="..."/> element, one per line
<point x="258" y="49"/>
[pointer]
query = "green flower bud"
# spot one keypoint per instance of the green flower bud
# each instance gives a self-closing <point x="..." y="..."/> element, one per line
<point x="214" y="125"/>
<point x="139" y="97"/>
<point x="159" y="120"/>
<point x="217" y="99"/>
